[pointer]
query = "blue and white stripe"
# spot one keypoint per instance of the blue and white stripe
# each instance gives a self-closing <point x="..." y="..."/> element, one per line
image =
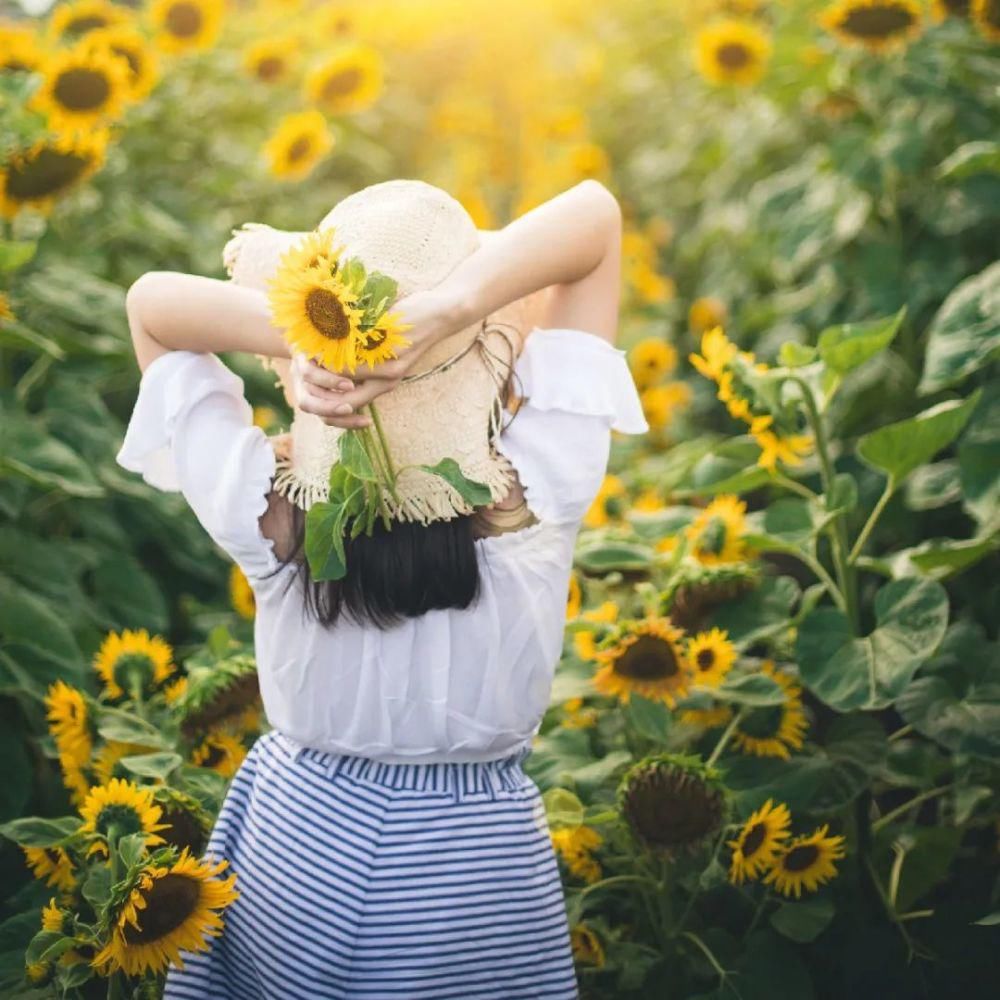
<point x="361" y="880"/>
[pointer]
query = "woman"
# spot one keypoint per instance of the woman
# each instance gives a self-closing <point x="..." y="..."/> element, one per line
<point x="386" y="839"/>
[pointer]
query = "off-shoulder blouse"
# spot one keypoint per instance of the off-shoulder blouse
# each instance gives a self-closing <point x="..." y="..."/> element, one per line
<point x="450" y="685"/>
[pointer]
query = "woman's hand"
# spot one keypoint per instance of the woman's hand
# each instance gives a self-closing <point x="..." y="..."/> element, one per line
<point x="338" y="396"/>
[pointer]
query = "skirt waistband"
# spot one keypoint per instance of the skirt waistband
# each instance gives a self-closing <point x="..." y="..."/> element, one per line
<point x="463" y="780"/>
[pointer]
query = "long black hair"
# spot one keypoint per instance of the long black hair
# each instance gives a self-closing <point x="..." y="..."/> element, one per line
<point x="395" y="574"/>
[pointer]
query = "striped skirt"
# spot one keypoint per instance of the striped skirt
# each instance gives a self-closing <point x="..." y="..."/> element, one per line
<point x="360" y="880"/>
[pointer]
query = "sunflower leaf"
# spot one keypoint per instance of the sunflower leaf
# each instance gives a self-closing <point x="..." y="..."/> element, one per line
<point x="751" y="689"/>
<point x="354" y="457"/>
<point x="470" y="490"/>
<point x="324" y="541"/>
<point x="131" y="849"/>
<point x="36" y="831"/>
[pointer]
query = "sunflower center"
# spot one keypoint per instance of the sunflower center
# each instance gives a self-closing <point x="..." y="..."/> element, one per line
<point x="297" y="151"/>
<point x="133" y="672"/>
<point x="46" y="173"/>
<point x="341" y="84"/>
<point x="732" y="55"/>
<point x="183" y="830"/>
<point x="762" y="723"/>
<point x="879" y="21"/>
<point x="169" y="902"/>
<point x="326" y="313"/>
<point x="753" y="840"/>
<point x="215" y="754"/>
<point x="81" y="89"/>
<point x="14" y="65"/>
<point x="649" y="658"/>
<point x="705" y="659"/>
<point x="375" y="337"/>
<point x="183" y="20"/>
<point x="713" y="536"/>
<point x="124" y="817"/>
<point x="81" y="25"/>
<point x="131" y="57"/>
<point x="798" y="859"/>
<point x="270" y="68"/>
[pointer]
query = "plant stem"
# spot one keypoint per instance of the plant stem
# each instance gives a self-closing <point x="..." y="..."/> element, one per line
<point x="931" y="793"/>
<point x="900" y="733"/>
<point x="116" y="983"/>
<point x="859" y="544"/>
<point x="794" y="486"/>
<point x="614" y="880"/>
<point x="377" y="421"/>
<point x="757" y="913"/>
<point x="712" y="960"/>
<point x="724" y="738"/>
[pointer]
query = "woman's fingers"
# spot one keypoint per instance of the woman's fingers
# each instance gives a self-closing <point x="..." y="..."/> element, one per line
<point x="315" y="374"/>
<point x="331" y="407"/>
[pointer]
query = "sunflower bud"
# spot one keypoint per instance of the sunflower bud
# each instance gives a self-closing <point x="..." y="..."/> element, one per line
<point x="672" y="802"/>
<point x="699" y="589"/>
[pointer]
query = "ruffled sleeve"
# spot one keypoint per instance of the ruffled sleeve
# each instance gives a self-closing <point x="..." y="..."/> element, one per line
<point x="575" y="388"/>
<point x="192" y="431"/>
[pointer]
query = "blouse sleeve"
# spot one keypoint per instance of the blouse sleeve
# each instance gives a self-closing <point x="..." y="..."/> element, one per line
<point x="575" y="389"/>
<point x="192" y="431"/>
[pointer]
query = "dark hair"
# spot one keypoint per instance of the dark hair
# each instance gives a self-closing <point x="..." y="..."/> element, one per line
<point x="395" y="574"/>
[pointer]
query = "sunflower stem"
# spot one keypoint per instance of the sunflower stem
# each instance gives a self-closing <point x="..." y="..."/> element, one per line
<point x="377" y="421"/>
<point x="757" y="913"/>
<point x="893" y="814"/>
<point x="859" y="543"/>
<point x="724" y="738"/>
<point x="712" y="960"/>
<point x="116" y="982"/>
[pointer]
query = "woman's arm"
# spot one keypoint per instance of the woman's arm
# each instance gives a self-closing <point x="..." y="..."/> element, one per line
<point x="170" y="311"/>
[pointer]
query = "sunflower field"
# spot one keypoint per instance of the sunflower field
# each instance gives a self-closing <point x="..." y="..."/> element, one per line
<point x="771" y="760"/>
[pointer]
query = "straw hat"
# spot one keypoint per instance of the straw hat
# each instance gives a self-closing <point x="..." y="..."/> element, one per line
<point x="451" y="404"/>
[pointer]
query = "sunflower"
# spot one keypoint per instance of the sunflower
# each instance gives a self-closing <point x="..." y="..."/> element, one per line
<point x="608" y="504"/>
<point x="75" y="779"/>
<point x="586" y="945"/>
<point x="319" y="314"/>
<point x="71" y="21"/>
<point x="6" y="312"/>
<point x="650" y="360"/>
<point x="39" y="973"/>
<point x="221" y="753"/>
<point x="648" y="501"/>
<point x="574" y="845"/>
<point x="216" y="695"/>
<point x="775" y="448"/>
<point x="82" y="87"/>
<point x="877" y="25"/>
<point x="737" y="405"/>
<point x="170" y="908"/>
<point x="772" y="730"/>
<point x="672" y="803"/>
<point x="574" y="596"/>
<point x="715" y="535"/>
<point x="133" y="663"/>
<point x="186" y="824"/>
<point x="106" y="760"/>
<point x="52" y="864"/>
<point x="241" y="593"/>
<point x="186" y="25"/>
<point x="380" y="342"/>
<point x="806" y="862"/>
<point x="584" y="639"/>
<point x="49" y="169"/>
<point x="942" y="9"/>
<point x="662" y="403"/>
<point x="708" y="718"/>
<point x="578" y="717"/>
<point x="175" y="690"/>
<point x="131" y="46"/>
<point x="349" y="80"/>
<point x="648" y="660"/>
<point x="271" y="60"/>
<point x="759" y="842"/>
<point x="123" y="805"/>
<point x="717" y="351"/>
<point x="711" y="656"/>
<point x="69" y="722"/>
<point x="20" y="51"/>
<point x="333" y="23"/>
<point x="732" y="51"/>
<point x="986" y="16"/>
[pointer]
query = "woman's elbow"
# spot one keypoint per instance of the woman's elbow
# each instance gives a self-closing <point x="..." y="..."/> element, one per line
<point x="605" y="204"/>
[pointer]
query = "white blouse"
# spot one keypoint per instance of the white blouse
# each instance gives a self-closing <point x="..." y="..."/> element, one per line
<point x="451" y="685"/>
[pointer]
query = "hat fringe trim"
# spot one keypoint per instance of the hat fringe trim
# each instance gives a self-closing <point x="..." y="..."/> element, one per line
<point x="437" y="500"/>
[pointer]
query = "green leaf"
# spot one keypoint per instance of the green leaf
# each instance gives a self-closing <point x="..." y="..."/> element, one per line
<point x="941" y="558"/>
<point x="152" y="765"/>
<point x="847" y="671"/>
<point x="965" y="719"/>
<point x="131" y="849"/>
<point x="34" y="831"/>
<point x="792" y="354"/>
<point x="930" y="852"/>
<point x="472" y="492"/>
<point x="760" y="612"/>
<point x="562" y="808"/>
<point x="965" y="334"/>
<point x="118" y="724"/>
<point x="898" y="449"/>
<point x="750" y="689"/>
<point x="16" y="253"/>
<point x="805" y="921"/>
<point x="651" y="718"/>
<point x="849" y="345"/>
<point x="97" y="887"/>
<point x="27" y="450"/>
<point x="325" y="542"/>
<point x="27" y="620"/>
<point x="354" y="457"/>
<point x="606" y="557"/>
<point x="970" y="158"/>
